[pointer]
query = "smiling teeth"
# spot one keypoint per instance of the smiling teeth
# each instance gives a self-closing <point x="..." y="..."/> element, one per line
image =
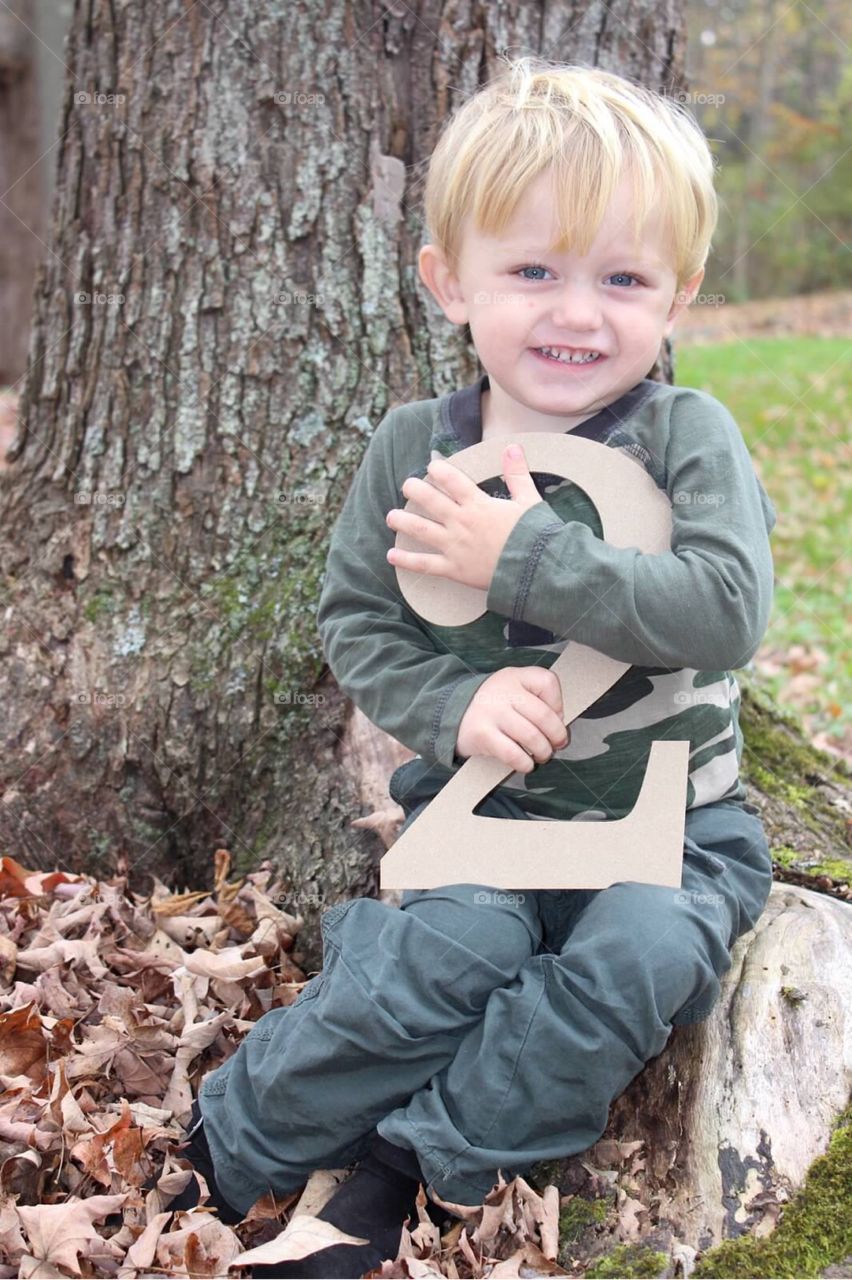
<point x="568" y="358"/>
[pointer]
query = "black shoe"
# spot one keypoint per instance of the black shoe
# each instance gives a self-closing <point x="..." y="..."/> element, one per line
<point x="374" y="1202"/>
<point x="195" y="1149"/>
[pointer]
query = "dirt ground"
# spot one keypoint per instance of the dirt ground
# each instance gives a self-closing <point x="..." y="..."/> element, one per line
<point x="822" y="315"/>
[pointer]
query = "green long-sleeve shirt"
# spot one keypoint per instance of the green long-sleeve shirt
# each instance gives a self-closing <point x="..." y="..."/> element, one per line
<point x="683" y="618"/>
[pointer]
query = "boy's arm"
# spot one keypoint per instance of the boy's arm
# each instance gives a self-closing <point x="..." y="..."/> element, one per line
<point x="379" y="651"/>
<point x="703" y="604"/>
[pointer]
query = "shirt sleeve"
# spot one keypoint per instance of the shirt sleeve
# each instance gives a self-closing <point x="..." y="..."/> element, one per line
<point x="703" y="604"/>
<point x="379" y="651"/>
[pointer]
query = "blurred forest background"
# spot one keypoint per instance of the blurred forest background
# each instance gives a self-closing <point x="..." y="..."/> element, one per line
<point x="771" y="84"/>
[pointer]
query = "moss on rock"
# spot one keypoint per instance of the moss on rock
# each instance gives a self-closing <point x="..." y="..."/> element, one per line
<point x="628" y="1260"/>
<point x="803" y="794"/>
<point x="577" y="1215"/>
<point x="814" y="1230"/>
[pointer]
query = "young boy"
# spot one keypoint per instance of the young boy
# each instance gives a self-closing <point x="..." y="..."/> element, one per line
<point x="570" y="214"/>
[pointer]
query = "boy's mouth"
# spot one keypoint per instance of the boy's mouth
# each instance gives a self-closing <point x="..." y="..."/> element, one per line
<point x="570" y="355"/>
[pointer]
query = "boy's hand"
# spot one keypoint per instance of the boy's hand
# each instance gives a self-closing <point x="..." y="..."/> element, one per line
<point x="467" y="528"/>
<point x="515" y="716"/>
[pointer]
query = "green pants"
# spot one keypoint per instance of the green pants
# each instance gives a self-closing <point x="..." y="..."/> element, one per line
<point x="483" y="1028"/>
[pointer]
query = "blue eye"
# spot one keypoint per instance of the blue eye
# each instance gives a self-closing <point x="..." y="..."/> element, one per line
<point x="534" y="266"/>
<point x="537" y="266"/>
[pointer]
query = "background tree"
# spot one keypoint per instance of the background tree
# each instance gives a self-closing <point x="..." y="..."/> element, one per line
<point x="226" y="309"/>
<point x="22" y="212"/>
<point x="775" y="86"/>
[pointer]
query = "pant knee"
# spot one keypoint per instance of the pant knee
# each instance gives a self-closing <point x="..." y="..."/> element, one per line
<point x="501" y="925"/>
<point x="429" y="964"/>
<point x="732" y="836"/>
<point x="648" y="950"/>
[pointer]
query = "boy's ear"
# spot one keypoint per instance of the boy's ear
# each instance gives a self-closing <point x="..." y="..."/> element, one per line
<point x="441" y="282"/>
<point x="682" y="299"/>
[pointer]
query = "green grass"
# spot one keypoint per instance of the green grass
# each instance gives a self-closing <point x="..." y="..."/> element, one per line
<point x="792" y="399"/>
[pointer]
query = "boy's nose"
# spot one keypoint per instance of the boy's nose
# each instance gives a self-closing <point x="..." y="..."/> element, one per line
<point x="577" y="309"/>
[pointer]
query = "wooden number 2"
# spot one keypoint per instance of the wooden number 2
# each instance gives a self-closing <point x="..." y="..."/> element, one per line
<point x="449" y="844"/>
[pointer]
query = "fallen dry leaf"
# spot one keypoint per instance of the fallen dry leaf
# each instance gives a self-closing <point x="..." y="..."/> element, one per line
<point x="304" y="1234"/>
<point x="385" y="822"/>
<point x="112" y="1008"/>
<point x="58" y="1232"/>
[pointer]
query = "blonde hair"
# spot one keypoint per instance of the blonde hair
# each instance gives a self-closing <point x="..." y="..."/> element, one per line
<point x="590" y="126"/>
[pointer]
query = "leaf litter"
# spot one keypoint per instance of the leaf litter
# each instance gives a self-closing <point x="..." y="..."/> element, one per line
<point x="113" y="1007"/>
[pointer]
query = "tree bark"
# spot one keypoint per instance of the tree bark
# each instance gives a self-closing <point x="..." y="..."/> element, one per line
<point x="754" y="177"/>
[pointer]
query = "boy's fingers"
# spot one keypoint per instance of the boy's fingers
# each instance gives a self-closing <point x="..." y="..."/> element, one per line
<point x="542" y="681"/>
<point x="547" y="720"/>
<point x="512" y="754"/>
<point x="502" y="747"/>
<point x="561" y="733"/>
<point x="526" y="729"/>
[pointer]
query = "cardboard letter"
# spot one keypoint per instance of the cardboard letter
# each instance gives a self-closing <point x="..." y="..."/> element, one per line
<point x="448" y="843"/>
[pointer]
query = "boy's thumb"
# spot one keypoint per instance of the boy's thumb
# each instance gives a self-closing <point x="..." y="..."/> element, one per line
<point x="516" y="473"/>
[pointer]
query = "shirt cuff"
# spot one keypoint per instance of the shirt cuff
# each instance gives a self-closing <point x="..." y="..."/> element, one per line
<point x="513" y="575"/>
<point x="451" y="716"/>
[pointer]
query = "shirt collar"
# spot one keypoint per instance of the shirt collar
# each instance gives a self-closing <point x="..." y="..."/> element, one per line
<point x="462" y="412"/>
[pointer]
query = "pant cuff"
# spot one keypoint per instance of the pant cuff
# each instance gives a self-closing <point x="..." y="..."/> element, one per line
<point x="402" y="1159"/>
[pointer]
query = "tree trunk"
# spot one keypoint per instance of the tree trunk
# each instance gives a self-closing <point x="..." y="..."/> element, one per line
<point x="22" y="214"/>
<point x="756" y="175"/>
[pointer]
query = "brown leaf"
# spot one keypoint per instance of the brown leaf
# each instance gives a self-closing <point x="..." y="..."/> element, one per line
<point x="19" y="1176"/>
<point x="142" y="1252"/>
<point x="58" y="1232"/>
<point x="8" y="958"/>
<point x="210" y="1252"/>
<point x="385" y="822"/>
<point x="23" y="1042"/>
<point x="176" y="904"/>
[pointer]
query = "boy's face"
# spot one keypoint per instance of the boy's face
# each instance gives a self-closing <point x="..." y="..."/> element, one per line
<point x="618" y="300"/>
